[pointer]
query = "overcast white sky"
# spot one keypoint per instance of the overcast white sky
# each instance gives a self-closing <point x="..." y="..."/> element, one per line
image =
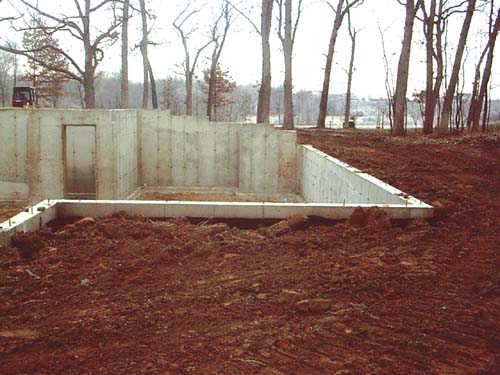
<point x="242" y="52"/>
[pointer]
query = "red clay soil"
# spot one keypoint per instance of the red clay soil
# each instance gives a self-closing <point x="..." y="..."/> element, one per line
<point x="126" y="295"/>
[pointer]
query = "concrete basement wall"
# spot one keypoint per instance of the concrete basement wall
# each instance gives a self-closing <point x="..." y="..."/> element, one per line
<point x="38" y="135"/>
<point x="187" y="151"/>
<point x="324" y="179"/>
<point x="268" y="160"/>
<point x="13" y="155"/>
<point x="135" y="148"/>
<point x="126" y="156"/>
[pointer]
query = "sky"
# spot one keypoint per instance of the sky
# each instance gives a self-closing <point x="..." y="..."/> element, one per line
<point x="242" y="54"/>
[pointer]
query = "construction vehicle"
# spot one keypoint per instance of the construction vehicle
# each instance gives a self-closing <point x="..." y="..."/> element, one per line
<point x="24" y="97"/>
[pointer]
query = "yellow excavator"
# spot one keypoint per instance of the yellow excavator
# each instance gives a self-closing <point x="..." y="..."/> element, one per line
<point x="24" y="97"/>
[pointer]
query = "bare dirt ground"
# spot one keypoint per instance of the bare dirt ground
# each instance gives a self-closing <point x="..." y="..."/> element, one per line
<point x="125" y="295"/>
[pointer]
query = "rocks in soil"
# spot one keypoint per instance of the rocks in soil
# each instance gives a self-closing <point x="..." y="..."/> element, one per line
<point x="314" y="305"/>
<point x="27" y="243"/>
<point x="86" y="221"/>
<point x="288" y="225"/>
<point x="443" y="208"/>
<point x="374" y="219"/>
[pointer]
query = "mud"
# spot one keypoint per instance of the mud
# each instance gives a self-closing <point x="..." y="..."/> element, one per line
<point x="127" y="295"/>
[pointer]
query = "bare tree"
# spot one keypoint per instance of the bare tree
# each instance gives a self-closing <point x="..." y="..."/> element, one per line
<point x="340" y="12"/>
<point x="450" y="91"/>
<point x="219" y="39"/>
<point x="264" y="100"/>
<point x="403" y="68"/>
<point x="80" y="27"/>
<point x="389" y="84"/>
<point x="7" y="62"/>
<point x="352" y="34"/>
<point x="434" y="21"/>
<point x="148" y="75"/>
<point x="124" y="101"/>
<point x="477" y="103"/>
<point x="188" y="66"/>
<point x="286" y="34"/>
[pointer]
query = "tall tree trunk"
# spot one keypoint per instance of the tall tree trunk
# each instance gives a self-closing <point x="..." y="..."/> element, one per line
<point x="124" y="71"/>
<point x="473" y="107"/>
<point x="486" y="73"/>
<point x="211" y="87"/>
<point x="189" y="94"/>
<point x="432" y="98"/>
<point x="264" y="103"/>
<point x="89" y="89"/>
<point x="450" y="91"/>
<point x="288" y="85"/>
<point x="323" y="104"/>
<point x="403" y="70"/>
<point x="89" y="72"/>
<point x="145" y="59"/>
<point x="352" y="34"/>
<point x="430" y="105"/>
<point x="154" y="94"/>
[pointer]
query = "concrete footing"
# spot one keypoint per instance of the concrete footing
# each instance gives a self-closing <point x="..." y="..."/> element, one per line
<point x="33" y="218"/>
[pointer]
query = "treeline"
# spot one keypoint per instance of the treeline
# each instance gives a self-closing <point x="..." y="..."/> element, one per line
<point x="93" y="26"/>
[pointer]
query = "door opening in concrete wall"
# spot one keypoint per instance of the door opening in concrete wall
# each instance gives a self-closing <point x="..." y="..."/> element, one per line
<point x="80" y="162"/>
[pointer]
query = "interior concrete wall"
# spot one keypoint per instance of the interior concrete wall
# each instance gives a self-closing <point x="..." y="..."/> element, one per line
<point x="187" y="151"/>
<point x="125" y="136"/>
<point x="324" y="179"/>
<point x="268" y="160"/>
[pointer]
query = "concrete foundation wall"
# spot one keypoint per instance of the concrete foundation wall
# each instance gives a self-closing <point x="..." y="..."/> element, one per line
<point x="183" y="151"/>
<point x="126" y="158"/>
<point x="186" y="151"/>
<point x="13" y="155"/>
<point x="135" y="148"/>
<point x="324" y="179"/>
<point x="268" y="160"/>
<point x="35" y="168"/>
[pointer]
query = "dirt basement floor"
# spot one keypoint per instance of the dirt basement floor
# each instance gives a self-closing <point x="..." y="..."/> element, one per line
<point x="126" y="295"/>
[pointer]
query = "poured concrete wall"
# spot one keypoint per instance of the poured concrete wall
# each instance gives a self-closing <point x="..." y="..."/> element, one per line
<point x="135" y="148"/>
<point x="186" y="151"/>
<point x="13" y="155"/>
<point x="268" y="160"/>
<point x="125" y="133"/>
<point x="324" y="179"/>
<point x="38" y="156"/>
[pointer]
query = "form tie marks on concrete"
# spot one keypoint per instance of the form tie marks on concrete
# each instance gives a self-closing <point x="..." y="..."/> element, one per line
<point x="92" y="162"/>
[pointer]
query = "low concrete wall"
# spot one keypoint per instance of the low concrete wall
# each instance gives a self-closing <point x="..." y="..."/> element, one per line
<point x="324" y="179"/>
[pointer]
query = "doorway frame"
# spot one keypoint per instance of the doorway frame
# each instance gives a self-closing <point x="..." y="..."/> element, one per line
<point x="65" y="161"/>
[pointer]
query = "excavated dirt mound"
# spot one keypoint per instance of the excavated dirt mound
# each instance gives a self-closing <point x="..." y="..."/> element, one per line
<point x="127" y="295"/>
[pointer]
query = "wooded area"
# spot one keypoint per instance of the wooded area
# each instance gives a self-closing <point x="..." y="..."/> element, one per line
<point x="65" y="78"/>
